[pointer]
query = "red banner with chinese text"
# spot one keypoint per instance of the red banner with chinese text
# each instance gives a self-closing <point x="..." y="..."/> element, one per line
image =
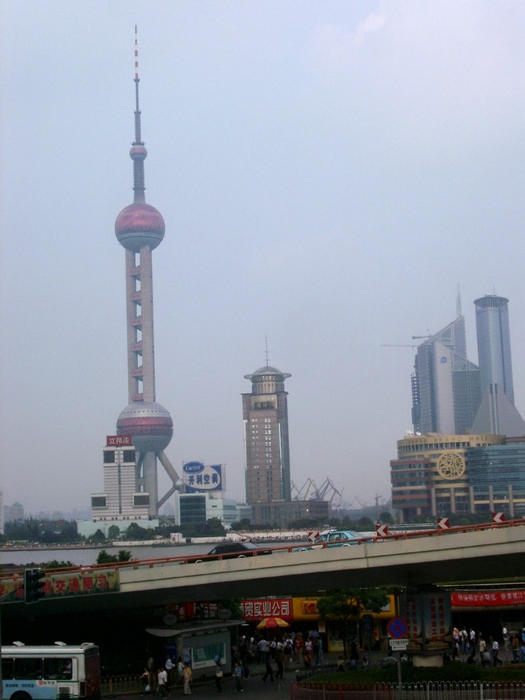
<point x="487" y="598"/>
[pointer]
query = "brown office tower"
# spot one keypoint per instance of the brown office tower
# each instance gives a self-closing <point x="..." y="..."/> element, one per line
<point x="265" y="415"/>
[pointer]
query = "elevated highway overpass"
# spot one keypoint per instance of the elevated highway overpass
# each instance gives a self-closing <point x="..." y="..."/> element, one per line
<point x="460" y="554"/>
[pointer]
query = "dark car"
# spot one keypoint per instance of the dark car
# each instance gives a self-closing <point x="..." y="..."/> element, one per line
<point x="234" y="550"/>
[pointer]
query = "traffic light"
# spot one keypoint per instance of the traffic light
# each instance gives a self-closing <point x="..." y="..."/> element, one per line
<point x="33" y="585"/>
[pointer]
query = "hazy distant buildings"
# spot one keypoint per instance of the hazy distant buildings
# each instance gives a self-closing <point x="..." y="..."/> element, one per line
<point x="445" y="385"/>
<point x="265" y="415"/>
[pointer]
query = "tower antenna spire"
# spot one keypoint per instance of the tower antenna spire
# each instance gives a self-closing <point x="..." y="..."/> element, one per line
<point x="138" y="151"/>
<point x="266" y="353"/>
<point x="458" y="302"/>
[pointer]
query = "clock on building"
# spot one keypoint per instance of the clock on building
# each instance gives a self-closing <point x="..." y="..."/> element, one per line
<point x="451" y="465"/>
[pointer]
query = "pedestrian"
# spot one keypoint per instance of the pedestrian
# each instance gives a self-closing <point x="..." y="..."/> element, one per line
<point x="279" y="659"/>
<point x="288" y="653"/>
<point x="268" y="669"/>
<point x="263" y="648"/>
<point x="496" y="661"/>
<point x="354" y="655"/>
<point x="237" y="673"/>
<point x="218" y="674"/>
<point x="162" y="682"/>
<point x="169" y="666"/>
<point x="180" y="670"/>
<point x="515" y="648"/>
<point x="146" y="681"/>
<point x="187" y="677"/>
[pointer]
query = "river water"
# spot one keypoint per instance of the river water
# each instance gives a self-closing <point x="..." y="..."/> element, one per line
<point x="87" y="556"/>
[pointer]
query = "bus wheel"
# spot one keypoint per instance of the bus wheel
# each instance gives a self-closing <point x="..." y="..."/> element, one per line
<point x="20" y="695"/>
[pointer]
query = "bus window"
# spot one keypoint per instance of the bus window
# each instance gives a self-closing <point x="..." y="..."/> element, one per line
<point x="7" y="669"/>
<point x="58" y="669"/>
<point x="28" y="668"/>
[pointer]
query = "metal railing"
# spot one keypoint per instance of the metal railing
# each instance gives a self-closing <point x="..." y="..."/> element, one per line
<point x="431" y="690"/>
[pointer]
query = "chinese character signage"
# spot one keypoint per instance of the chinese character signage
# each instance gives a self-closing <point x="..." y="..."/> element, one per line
<point x="198" y="477"/>
<point x="255" y="609"/>
<point x="78" y="583"/>
<point x="487" y="598"/>
<point x="119" y="441"/>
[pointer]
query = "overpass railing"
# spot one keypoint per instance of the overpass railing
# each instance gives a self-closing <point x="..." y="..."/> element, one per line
<point x="185" y="559"/>
<point x="431" y="690"/>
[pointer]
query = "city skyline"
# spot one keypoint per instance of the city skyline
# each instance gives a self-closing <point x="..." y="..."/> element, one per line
<point x="319" y="186"/>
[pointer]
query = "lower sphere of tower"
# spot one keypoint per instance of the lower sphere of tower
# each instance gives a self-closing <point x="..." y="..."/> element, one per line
<point x="149" y="424"/>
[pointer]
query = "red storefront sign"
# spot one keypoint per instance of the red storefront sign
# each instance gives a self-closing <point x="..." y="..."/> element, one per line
<point x="258" y="608"/>
<point x="119" y="441"/>
<point x="487" y="598"/>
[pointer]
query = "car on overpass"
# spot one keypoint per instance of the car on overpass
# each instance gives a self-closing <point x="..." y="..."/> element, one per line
<point x="234" y="550"/>
<point x="332" y="538"/>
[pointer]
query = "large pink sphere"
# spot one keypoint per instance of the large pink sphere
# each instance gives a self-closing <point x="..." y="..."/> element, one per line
<point x="149" y="424"/>
<point x="139" y="225"/>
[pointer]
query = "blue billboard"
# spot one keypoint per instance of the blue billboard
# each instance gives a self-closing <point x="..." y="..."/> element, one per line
<point x="198" y="477"/>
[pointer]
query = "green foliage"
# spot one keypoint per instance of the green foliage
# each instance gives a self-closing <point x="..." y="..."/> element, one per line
<point x="42" y="530"/>
<point x="97" y="537"/>
<point x="113" y="532"/>
<point x="136" y="532"/>
<point x="345" y="605"/>
<point x="106" y="558"/>
<point x="55" y="564"/>
<point x="215" y="527"/>
<point x="242" y="524"/>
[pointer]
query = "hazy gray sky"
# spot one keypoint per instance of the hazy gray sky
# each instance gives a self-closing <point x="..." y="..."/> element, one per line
<point x="328" y="172"/>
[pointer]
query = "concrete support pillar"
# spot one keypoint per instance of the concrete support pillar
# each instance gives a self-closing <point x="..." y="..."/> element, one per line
<point x="511" y="501"/>
<point x="433" y="506"/>
<point x="471" y="499"/>
<point x="452" y="499"/>
<point x="491" y="498"/>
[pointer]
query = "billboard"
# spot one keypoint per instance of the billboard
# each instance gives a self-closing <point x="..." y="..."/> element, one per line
<point x="198" y="478"/>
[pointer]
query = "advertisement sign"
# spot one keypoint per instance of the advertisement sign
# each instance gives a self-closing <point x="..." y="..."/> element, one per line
<point x="198" y="477"/>
<point x="119" y="441"/>
<point x="487" y="598"/>
<point x="12" y="589"/>
<point x="255" y="609"/>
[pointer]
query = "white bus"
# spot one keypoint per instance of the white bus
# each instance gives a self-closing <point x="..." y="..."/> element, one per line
<point x="53" y="672"/>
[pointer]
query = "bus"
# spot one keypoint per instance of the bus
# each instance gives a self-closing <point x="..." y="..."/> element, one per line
<point x="50" y="672"/>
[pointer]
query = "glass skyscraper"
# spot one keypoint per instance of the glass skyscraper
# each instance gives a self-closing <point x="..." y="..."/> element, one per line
<point x="492" y="326"/>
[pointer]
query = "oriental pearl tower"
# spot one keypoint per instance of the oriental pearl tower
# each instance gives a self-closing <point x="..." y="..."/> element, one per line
<point x="140" y="229"/>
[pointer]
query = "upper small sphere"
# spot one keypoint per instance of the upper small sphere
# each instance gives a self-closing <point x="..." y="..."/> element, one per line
<point x="138" y="152"/>
<point x="139" y="225"/>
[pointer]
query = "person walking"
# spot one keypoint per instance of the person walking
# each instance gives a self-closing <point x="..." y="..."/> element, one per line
<point x="237" y="673"/>
<point x="146" y="682"/>
<point x="162" y="682"/>
<point x="187" y="677"/>
<point x="218" y="674"/>
<point x="269" y="669"/>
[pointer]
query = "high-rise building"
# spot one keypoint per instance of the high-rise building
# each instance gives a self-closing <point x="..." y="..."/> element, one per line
<point x="445" y="385"/>
<point x="496" y="413"/>
<point x="492" y="326"/>
<point x="265" y="415"/>
<point x="139" y="228"/>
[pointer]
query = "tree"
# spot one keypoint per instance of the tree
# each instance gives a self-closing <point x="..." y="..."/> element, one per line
<point x="136" y="532"/>
<point x="215" y="527"/>
<point x="113" y="532"/>
<point x="106" y="558"/>
<point x="346" y="604"/>
<point x="97" y="537"/>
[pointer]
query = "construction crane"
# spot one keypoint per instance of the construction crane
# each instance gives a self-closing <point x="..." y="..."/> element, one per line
<point x="391" y="345"/>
